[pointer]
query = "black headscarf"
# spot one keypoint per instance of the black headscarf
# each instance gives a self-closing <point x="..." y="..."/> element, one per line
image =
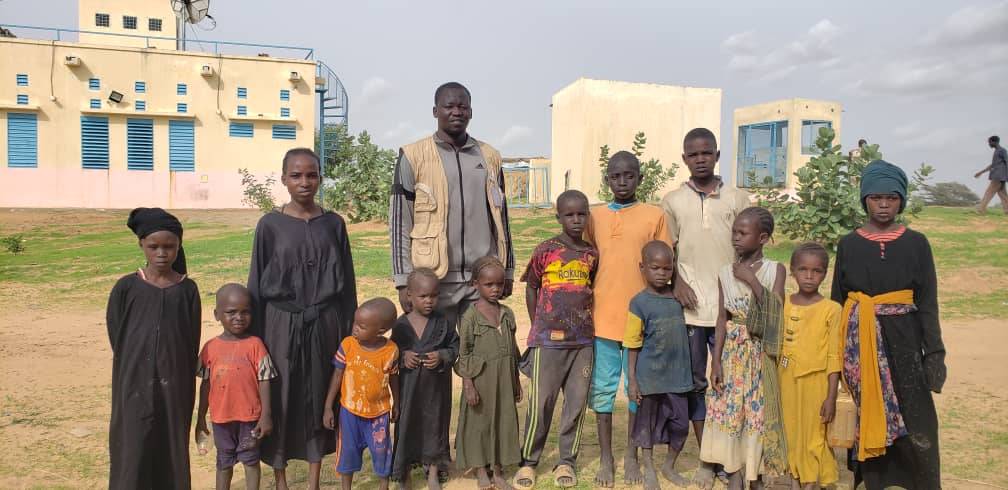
<point x="882" y="177"/>
<point x="144" y="221"/>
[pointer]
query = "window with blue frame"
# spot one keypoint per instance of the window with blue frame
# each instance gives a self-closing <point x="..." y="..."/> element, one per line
<point x="240" y="130"/>
<point x="284" y="132"/>
<point x="242" y="93"/>
<point x="94" y="84"/>
<point x="95" y="104"/>
<point x="139" y="144"/>
<point x="140" y="87"/>
<point x="285" y="112"/>
<point x="94" y="142"/>
<point x="22" y="140"/>
<point x="181" y="146"/>
<point x="22" y="99"/>
<point x="285" y="94"/>
<point x="182" y="107"/>
<point x="181" y="89"/>
<point x="22" y="79"/>
<point x="140" y="105"/>
<point x="762" y="155"/>
<point x="809" y="135"/>
<point x="242" y="110"/>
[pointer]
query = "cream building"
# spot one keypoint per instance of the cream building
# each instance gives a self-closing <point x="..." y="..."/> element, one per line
<point x="588" y="114"/>
<point x="775" y="139"/>
<point x="117" y="121"/>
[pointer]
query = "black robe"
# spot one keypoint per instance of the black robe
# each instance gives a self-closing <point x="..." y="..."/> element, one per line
<point x="155" y="335"/>
<point x="913" y="348"/>
<point x="425" y="396"/>
<point x="302" y="282"/>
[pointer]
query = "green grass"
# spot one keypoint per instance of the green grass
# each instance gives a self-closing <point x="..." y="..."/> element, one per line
<point x="80" y="261"/>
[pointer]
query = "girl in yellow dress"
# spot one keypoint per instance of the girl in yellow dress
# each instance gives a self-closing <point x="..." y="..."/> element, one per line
<point x="809" y="369"/>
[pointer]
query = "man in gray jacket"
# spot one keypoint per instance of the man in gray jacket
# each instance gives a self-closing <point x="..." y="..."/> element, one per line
<point x="448" y="206"/>
<point x="998" y="176"/>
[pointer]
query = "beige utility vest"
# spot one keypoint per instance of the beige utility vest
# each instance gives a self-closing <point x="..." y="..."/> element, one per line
<point x="430" y="209"/>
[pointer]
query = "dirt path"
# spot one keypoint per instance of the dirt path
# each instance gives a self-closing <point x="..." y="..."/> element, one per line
<point x="54" y="402"/>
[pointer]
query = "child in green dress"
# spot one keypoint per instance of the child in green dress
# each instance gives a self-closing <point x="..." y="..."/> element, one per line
<point x="488" y="364"/>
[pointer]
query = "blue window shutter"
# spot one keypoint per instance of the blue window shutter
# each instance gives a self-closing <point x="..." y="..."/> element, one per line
<point x="95" y="103"/>
<point x="22" y="99"/>
<point x="242" y="92"/>
<point x="94" y="142"/>
<point x="22" y="140"/>
<point x="22" y="79"/>
<point x="240" y="130"/>
<point x="284" y="132"/>
<point x="182" y="107"/>
<point x="182" y="89"/>
<point x="140" y="87"/>
<point x="242" y="110"/>
<point x="181" y="146"/>
<point x="285" y="112"/>
<point x="94" y="84"/>
<point x="140" y="105"/>
<point x="285" y="94"/>
<point x="140" y="144"/>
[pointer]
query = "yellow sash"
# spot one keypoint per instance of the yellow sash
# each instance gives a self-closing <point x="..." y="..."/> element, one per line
<point x="872" y="431"/>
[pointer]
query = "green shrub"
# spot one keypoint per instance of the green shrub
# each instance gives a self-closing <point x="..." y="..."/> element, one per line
<point x="826" y="202"/>
<point x="14" y="244"/>
<point x="653" y="175"/>
<point x="258" y="194"/>
<point x="358" y="176"/>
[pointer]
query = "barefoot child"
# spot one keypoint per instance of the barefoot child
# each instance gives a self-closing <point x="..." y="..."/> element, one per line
<point x="893" y="354"/>
<point x="154" y="327"/>
<point x="743" y="428"/>
<point x="559" y="357"/>
<point x="429" y="346"/>
<point x="619" y="231"/>
<point x="809" y="370"/>
<point x="659" y="368"/>
<point x="365" y="371"/>
<point x="236" y="372"/>
<point x="700" y="214"/>
<point x="488" y="364"/>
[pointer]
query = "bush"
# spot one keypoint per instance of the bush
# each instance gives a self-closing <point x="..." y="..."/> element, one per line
<point x="359" y="176"/>
<point x="653" y="175"/>
<point x="948" y="194"/>
<point x="14" y="244"/>
<point x="827" y="200"/>
<point x="258" y="194"/>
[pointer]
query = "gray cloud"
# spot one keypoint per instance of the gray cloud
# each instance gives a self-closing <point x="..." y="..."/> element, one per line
<point x="814" y="48"/>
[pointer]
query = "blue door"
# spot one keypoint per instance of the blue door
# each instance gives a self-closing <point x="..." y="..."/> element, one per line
<point x="762" y="154"/>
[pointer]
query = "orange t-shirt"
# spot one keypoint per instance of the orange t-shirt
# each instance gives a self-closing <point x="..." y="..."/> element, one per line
<point x="234" y="369"/>
<point x="365" y="389"/>
<point x="619" y="236"/>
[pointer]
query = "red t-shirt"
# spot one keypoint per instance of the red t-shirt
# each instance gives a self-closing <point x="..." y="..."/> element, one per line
<point x="234" y="369"/>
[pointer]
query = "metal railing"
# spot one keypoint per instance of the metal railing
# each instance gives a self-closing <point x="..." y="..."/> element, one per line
<point x="58" y="34"/>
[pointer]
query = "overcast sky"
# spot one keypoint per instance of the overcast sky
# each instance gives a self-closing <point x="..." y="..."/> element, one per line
<point x="925" y="80"/>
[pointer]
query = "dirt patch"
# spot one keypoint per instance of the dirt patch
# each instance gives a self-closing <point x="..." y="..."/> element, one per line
<point x="974" y="280"/>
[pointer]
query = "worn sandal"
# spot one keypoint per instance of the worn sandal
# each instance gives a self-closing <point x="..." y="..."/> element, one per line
<point x="564" y="471"/>
<point x="526" y="473"/>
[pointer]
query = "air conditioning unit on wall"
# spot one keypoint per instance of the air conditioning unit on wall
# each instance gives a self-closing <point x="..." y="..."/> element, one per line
<point x="295" y="76"/>
<point x="71" y="60"/>
<point x="207" y="71"/>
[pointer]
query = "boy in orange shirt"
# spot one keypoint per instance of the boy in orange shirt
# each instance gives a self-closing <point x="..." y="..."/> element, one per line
<point x="619" y="231"/>
<point x="236" y="372"/>
<point x="366" y="368"/>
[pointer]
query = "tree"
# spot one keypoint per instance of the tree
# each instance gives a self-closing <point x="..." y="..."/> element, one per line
<point x="947" y="194"/>
<point x="358" y="175"/>
<point x="257" y="194"/>
<point x="653" y="175"/>
<point x="827" y="200"/>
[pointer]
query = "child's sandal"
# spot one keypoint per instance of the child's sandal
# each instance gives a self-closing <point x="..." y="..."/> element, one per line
<point x="564" y="471"/>
<point x="526" y="473"/>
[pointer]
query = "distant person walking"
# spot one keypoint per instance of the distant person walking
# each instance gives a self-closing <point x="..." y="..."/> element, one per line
<point x="998" y="176"/>
<point x="856" y="152"/>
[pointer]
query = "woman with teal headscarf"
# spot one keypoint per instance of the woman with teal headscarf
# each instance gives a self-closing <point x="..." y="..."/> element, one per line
<point x="893" y="355"/>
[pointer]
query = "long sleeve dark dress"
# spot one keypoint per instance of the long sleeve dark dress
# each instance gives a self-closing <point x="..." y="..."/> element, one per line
<point x="421" y="436"/>
<point x="913" y="348"/>
<point x="302" y="283"/>
<point x="155" y="335"/>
